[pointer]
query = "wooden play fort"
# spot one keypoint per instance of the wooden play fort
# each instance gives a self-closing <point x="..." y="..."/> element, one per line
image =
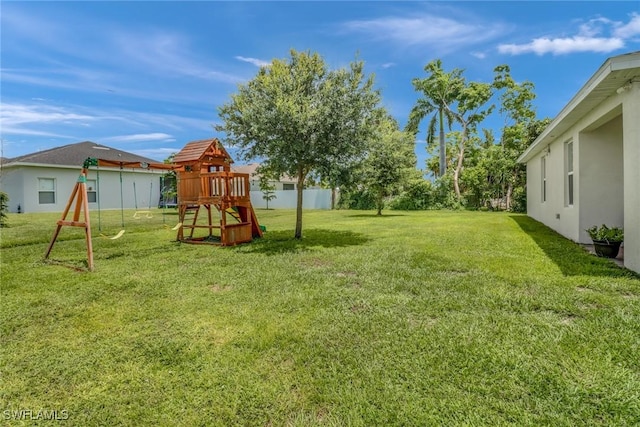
<point x="205" y="186"/>
<point x="205" y="181"/>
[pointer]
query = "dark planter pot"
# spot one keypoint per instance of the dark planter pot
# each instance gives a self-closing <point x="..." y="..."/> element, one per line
<point x="606" y="249"/>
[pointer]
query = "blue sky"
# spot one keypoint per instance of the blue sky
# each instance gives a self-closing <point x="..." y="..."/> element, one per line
<point x="147" y="77"/>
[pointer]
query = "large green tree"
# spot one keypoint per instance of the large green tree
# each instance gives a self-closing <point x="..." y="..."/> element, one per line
<point x="521" y="128"/>
<point x="300" y="118"/>
<point x="390" y="163"/>
<point x="471" y="110"/>
<point x="439" y="89"/>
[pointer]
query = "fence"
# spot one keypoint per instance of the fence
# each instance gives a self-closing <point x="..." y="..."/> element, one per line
<point x="286" y="199"/>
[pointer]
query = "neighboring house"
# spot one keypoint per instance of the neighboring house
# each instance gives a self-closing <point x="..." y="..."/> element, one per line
<point x="285" y="182"/>
<point x="313" y="197"/>
<point x="584" y="168"/>
<point x="43" y="181"/>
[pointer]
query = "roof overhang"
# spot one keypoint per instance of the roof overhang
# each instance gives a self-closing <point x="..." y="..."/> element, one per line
<point x="126" y="168"/>
<point x="611" y="76"/>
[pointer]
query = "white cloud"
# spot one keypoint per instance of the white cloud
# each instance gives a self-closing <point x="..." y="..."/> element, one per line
<point x="254" y="61"/>
<point x="599" y="35"/>
<point x="167" y="53"/>
<point x="479" y="55"/>
<point x="51" y="120"/>
<point x="630" y="29"/>
<point x="141" y="51"/>
<point x="560" y="46"/>
<point x="388" y="65"/>
<point x="17" y="114"/>
<point x="141" y="137"/>
<point x="438" y="32"/>
<point x="10" y="130"/>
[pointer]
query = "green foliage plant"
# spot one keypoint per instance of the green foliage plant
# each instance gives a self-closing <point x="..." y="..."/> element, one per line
<point x="390" y="162"/>
<point x="268" y="189"/>
<point x="417" y="195"/>
<point x="606" y="234"/>
<point x="4" y="208"/>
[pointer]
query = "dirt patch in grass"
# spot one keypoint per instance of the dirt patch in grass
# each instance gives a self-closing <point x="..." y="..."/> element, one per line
<point x="216" y="288"/>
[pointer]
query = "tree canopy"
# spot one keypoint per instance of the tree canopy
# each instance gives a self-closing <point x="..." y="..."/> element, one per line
<point x="390" y="163"/>
<point x="299" y="117"/>
<point x="439" y="89"/>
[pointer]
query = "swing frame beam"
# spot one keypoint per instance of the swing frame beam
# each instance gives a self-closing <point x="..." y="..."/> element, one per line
<point x="79" y="197"/>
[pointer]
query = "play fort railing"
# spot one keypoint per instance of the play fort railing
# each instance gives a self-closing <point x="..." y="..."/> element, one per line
<point x="215" y="187"/>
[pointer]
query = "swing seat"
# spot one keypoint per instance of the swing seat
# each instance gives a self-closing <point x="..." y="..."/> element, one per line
<point x="117" y="236"/>
<point x="138" y="214"/>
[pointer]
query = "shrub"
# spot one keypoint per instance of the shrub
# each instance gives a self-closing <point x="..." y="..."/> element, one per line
<point x="519" y="200"/>
<point x="357" y="199"/>
<point x="606" y="234"/>
<point x="417" y="195"/>
<point x="4" y="207"/>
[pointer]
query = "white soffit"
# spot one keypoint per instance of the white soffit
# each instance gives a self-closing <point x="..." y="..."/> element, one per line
<point x="613" y="74"/>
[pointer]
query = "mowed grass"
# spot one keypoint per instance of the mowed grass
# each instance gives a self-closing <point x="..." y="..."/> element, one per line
<point x="425" y="318"/>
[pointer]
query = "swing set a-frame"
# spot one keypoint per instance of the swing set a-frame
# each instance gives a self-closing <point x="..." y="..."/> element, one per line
<point x="204" y="180"/>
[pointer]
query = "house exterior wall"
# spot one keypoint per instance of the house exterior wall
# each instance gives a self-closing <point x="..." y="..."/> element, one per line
<point x="598" y="176"/>
<point x="277" y="185"/>
<point x="13" y="185"/>
<point x="553" y="212"/>
<point x="606" y="150"/>
<point x="21" y="182"/>
<point x="631" y="136"/>
<point x="601" y="177"/>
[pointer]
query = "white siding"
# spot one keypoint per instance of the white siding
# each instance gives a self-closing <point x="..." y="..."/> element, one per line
<point x="601" y="177"/>
<point x="21" y="184"/>
<point x="606" y="150"/>
<point x="631" y="136"/>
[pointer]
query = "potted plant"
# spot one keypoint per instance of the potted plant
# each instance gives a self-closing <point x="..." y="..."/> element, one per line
<point x="606" y="240"/>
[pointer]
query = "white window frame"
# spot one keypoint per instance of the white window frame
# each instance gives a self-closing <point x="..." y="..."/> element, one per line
<point x="92" y="190"/>
<point x="42" y="191"/>
<point x="570" y="182"/>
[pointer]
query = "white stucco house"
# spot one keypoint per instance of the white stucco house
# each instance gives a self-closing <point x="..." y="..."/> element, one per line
<point x="43" y="181"/>
<point x="284" y="183"/>
<point x="313" y="197"/>
<point x="584" y="168"/>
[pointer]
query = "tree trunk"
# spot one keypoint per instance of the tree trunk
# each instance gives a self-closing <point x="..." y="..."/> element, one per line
<point x="379" y="205"/>
<point x="443" y="150"/>
<point x="509" y="193"/>
<point x="300" y="188"/>
<point x="456" y="173"/>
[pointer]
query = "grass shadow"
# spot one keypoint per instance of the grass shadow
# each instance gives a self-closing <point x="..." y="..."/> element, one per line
<point x="282" y="241"/>
<point x="570" y="257"/>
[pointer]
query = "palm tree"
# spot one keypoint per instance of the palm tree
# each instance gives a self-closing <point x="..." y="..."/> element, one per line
<point x="440" y="89"/>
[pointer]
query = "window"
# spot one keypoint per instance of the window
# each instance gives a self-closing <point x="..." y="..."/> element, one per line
<point x="288" y="186"/>
<point x="543" y="174"/>
<point x="92" y="191"/>
<point x="46" y="191"/>
<point x="569" y="168"/>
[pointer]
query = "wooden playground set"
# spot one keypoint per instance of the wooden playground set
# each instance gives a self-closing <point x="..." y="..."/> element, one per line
<point x="204" y="182"/>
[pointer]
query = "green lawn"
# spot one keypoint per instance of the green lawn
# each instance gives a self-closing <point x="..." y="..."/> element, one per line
<point x="426" y="318"/>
